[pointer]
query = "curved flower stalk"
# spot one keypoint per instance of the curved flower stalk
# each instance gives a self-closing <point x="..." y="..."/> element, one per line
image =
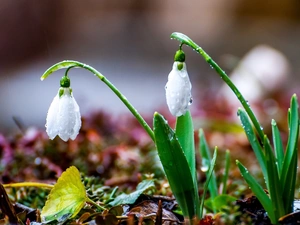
<point x="69" y="64"/>
<point x="279" y="165"/>
<point x="63" y="118"/>
<point x="178" y="87"/>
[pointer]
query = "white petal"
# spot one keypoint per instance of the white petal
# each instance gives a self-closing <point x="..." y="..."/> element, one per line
<point x="178" y="90"/>
<point x="77" y="120"/>
<point x="51" y="121"/>
<point x="63" y="117"/>
<point x="66" y="116"/>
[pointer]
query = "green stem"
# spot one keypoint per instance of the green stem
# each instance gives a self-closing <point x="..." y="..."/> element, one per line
<point x="71" y="63"/>
<point x="90" y="201"/>
<point x="29" y="184"/>
<point x="187" y="41"/>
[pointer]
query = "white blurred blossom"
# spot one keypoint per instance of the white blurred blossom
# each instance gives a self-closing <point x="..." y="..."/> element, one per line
<point x="178" y="89"/>
<point x="63" y="118"/>
<point x="262" y="71"/>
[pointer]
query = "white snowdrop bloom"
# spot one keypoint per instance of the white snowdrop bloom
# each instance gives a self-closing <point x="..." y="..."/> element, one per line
<point x="178" y="89"/>
<point x="63" y="117"/>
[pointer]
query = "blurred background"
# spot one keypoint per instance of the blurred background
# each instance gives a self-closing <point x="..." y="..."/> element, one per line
<point x="128" y="42"/>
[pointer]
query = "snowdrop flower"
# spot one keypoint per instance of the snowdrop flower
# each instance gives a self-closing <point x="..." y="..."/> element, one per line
<point x="63" y="118"/>
<point x="178" y="87"/>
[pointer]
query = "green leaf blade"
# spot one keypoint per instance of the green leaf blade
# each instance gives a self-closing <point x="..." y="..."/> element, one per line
<point x="226" y="172"/>
<point x="175" y="166"/>
<point x="208" y="177"/>
<point x="258" y="151"/>
<point x="275" y="187"/>
<point x="185" y="133"/>
<point x="206" y="161"/>
<point x="278" y="146"/>
<point x="289" y="169"/>
<point x="258" y="191"/>
<point x="142" y="187"/>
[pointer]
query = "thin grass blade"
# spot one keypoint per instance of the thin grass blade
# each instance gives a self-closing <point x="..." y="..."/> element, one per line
<point x="206" y="161"/>
<point x="258" y="191"/>
<point x="226" y="172"/>
<point x="289" y="169"/>
<point x="288" y="194"/>
<point x="258" y="151"/>
<point x="208" y="177"/>
<point x="275" y="187"/>
<point x="293" y="134"/>
<point x="278" y="146"/>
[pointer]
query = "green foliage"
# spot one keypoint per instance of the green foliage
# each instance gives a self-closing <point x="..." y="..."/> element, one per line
<point x="142" y="187"/>
<point x="220" y="202"/>
<point x="214" y="203"/>
<point x="209" y="174"/>
<point x="205" y="164"/>
<point x="177" y="154"/>
<point x="279" y="169"/>
<point x="176" y="166"/>
<point x="185" y="133"/>
<point x="66" y="199"/>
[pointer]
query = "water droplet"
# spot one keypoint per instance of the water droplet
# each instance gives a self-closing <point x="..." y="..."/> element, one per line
<point x="191" y="101"/>
<point x="204" y="168"/>
<point x="37" y="161"/>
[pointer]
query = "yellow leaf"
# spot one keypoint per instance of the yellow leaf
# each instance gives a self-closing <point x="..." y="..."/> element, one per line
<point x="67" y="197"/>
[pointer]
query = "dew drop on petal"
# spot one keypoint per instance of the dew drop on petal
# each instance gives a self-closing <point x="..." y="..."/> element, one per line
<point x="191" y="101"/>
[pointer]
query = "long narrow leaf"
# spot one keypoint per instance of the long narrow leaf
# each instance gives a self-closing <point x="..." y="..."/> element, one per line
<point x="258" y="151"/>
<point x="293" y="134"/>
<point x="226" y="172"/>
<point x="275" y="187"/>
<point x="206" y="161"/>
<point x="208" y="177"/>
<point x="175" y="166"/>
<point x="278" y="147"/>
<point x="258" y="191"/>
<point x="288" y="176"/>
<point x="293" y="123"/>
<point x="185" y="133"/>
<point x="289" y="186"/>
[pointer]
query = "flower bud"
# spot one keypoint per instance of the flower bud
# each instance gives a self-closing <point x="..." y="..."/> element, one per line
<point x="63" y="118"/>
<point x="178" y="89"/>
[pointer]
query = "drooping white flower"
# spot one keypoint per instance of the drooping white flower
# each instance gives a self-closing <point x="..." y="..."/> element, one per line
<point x="178" y="89"/>
<point x="63" y="118"/>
